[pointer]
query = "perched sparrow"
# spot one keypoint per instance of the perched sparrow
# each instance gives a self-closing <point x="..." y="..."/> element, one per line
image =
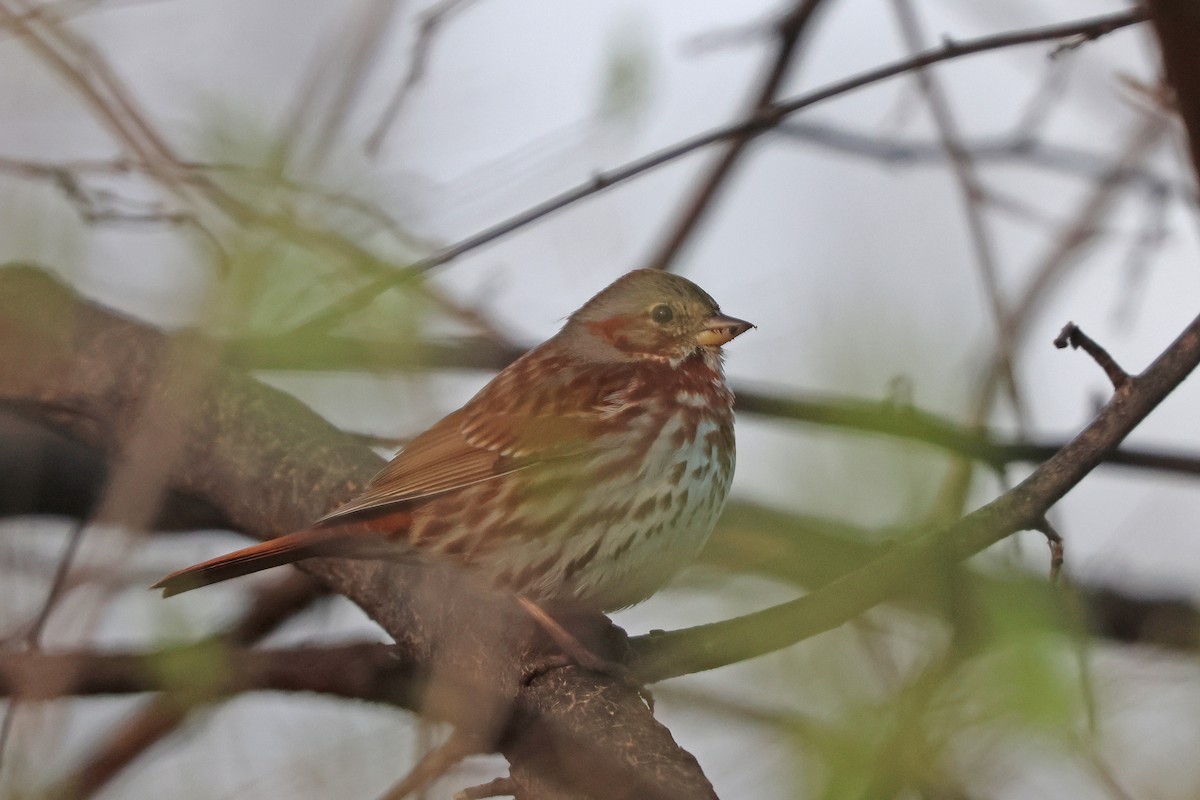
<point x="587" y="472"/>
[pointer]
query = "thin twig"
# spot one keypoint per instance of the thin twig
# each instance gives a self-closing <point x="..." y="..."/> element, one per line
<point x="383" y="672"/>
<point x="1150" y="238"/>
<point x="1010" y="148"/>
<point x="790" y="30"/>
<point x="771" y="117"/>
<point x="33" y="636"/>
<point x="429" y="23"/>
<point x="335" y="79"/>
<point x="1066" y="252"/>
<point x="972" y="193"/>
<point x="1055" y="542"/>
<point x="1025" y="506"/>
<point x="1074" y="337"/>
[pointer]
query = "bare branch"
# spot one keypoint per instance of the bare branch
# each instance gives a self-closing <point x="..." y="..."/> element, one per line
<point x="1019" y="149"/>
<point x="272" y="465"/>
<point x="429" y="24"/>
<point x="972" y="193"/>
<point x="765" y="121"/>
<point x="126" y="741"/>
<point x="1022" y="508"/>
<point x="789" y="31"/>
<point x="360" y="671"/>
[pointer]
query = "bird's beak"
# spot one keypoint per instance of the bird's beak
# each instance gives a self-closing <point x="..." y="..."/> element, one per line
<point x="720" y="329"/>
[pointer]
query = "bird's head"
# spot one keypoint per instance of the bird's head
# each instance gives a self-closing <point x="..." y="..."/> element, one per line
<point x="652" y="315"/>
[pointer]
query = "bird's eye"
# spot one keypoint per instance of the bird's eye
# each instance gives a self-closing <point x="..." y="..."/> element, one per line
<point x="662" y="314"/>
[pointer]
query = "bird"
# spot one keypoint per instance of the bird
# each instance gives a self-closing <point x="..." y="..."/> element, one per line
<point x="586" y="473"/>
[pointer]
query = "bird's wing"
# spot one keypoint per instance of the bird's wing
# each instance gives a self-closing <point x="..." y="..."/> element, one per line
<point x="467" y="448"/>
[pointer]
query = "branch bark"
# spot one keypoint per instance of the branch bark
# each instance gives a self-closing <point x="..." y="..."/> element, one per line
<point x="271" y="465"/>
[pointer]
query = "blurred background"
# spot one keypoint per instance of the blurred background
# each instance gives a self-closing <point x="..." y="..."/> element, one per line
<point x="239" y="166"/>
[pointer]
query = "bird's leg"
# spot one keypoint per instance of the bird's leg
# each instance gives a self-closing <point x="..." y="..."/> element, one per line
<point x="579" y="654"/>
<point x="434" y="764"/>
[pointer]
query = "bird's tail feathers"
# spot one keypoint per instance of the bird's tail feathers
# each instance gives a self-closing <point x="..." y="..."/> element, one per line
<point x="308" y="543"/>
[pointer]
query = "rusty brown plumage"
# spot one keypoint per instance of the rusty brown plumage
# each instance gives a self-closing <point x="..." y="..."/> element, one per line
<point x="588" y="471"/>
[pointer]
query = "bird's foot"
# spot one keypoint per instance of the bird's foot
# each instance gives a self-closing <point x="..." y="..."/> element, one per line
<point x="575" y="653"/>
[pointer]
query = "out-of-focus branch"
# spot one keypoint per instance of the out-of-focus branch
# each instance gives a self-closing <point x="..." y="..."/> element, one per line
<point x="272" y="465"/>
<point x="808" y="551"/>
<point x="770" y="117"/>
<point x="43" y="472"/>
<point x="1016" y="150"/>
<point x="334" y="80"/>
<point x="73" y="177"/>
<point x="789" y="29"/>
<point x="1065" y="252"/>
<point x="125" y="741"/>
<point x="429" y="23"/>
<point x="812" y="552"/>
<point x="973" y="196"/>
<point x="206" y="672"/>
<point x="204" y="204"/>
<point x="920" y="426"/>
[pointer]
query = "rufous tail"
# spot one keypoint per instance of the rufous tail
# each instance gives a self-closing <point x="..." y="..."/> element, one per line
<point x="332" y="541"/>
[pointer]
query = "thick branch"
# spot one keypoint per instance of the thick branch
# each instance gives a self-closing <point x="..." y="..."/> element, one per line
<point x="812" y="552"/>
<point x="271" y="465"/>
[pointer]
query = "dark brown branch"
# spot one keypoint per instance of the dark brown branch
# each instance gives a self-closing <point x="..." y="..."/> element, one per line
<point x="768" y="119"/>
<point x="43" y="472"/>
<point x="1177" y="25"/>
<point x="789" y="31"/>
<point x="272" y="465"/>
<point x="386" y="674"/>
